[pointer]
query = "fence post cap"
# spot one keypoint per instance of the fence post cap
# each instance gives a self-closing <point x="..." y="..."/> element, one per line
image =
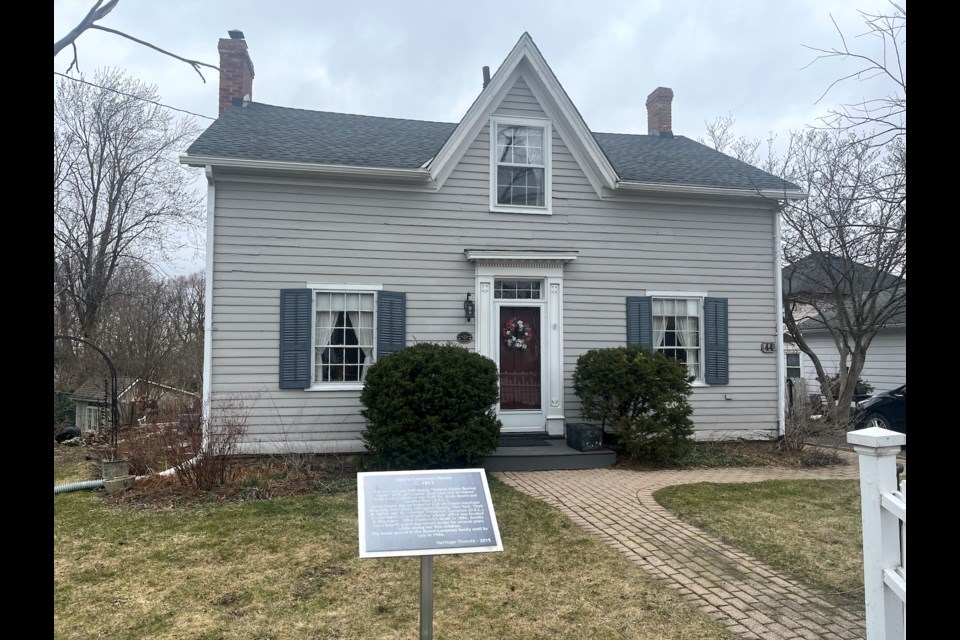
<point x="876" y="437"/>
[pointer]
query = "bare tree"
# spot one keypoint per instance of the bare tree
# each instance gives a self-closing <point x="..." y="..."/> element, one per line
<point x="152" y="328"/>
<point x="120" y="193"/>
<point x="844" y="248"/>
<point x="135" y="325"/>
<point x="879" y="119"/>
<point x="97" y="12"/>
<point x="721" y="136"/>
<point x="186" y="295"/>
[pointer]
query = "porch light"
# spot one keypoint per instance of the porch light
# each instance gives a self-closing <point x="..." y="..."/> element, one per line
<point x="469" y="308"/>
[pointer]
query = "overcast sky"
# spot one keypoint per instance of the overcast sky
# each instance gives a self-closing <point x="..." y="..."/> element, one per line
<point x="423" y="59"/>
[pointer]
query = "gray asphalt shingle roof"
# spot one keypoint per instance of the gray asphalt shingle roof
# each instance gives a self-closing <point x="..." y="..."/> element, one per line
<point x="265" y="132"/>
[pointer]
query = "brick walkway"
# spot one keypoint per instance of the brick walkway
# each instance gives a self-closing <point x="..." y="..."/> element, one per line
<point x="748" y="597"/>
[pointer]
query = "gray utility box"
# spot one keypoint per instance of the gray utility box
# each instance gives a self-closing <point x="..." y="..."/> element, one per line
<point x="584" y="437"/>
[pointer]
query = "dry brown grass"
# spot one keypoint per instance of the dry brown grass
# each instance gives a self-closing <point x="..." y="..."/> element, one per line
<point x="275" y="555"/>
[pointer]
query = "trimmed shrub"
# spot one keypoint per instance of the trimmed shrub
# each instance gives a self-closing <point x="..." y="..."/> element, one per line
<point x="642" y="397"/>
<point x="430" y="406"/>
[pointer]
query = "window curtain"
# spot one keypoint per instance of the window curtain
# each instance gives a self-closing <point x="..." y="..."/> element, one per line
<point x="362" y="322"/>
<point x="659" y="331"/>
<point x="325" y="321"/>
<point x="686" y="337"/>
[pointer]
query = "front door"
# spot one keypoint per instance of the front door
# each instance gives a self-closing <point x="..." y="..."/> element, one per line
<point x="520" y="360"/>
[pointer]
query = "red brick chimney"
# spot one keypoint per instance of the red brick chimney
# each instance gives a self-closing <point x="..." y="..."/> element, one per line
<point x="236" y="70"/>
<point x="659" y="112"/>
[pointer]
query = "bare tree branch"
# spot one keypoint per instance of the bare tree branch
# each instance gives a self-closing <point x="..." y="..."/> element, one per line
<point x="98" y="12"/>
<point x="878" y="119"/>
<point x="196" y="64"/>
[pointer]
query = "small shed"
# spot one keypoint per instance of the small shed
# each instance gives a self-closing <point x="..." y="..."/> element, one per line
<point x="136" y="399"/>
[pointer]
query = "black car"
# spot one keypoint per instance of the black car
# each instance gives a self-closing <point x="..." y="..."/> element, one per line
<point x="887" y="410"/>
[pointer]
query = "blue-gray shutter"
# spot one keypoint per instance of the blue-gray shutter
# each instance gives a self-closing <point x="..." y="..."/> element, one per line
<point x="715" y="328"/>
<point x="391" y="322"/>
<point x="640" y="321"/>
<point x="296" y="311"/>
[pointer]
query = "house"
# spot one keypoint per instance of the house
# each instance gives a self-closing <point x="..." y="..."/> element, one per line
<point x="136" y="398"/>
<point x="336" y="239"/>
<point x="810" y="282"/>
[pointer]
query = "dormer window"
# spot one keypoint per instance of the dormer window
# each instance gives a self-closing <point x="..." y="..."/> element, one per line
<point x="520" y="165"/>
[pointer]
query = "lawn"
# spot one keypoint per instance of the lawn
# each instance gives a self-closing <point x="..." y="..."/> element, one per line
<point x="288" y="567"/>
<point x="271" y="557"/>
<point x="809" y="528"/>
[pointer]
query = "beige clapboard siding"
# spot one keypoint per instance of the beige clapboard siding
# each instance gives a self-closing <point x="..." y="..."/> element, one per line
<point x="885" y="366"/>
<point x="271" y="236"/>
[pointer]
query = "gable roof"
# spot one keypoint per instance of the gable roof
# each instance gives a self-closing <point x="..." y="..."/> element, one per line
<point x="93" y="390"/>
<point x="265" y="132"/>
<point x="257" y="136"/>
<point x="828" y="316"/>
<point x="812" y="274"/>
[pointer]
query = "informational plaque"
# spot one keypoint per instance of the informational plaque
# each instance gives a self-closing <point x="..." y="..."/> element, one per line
<point x="418" y="513"/>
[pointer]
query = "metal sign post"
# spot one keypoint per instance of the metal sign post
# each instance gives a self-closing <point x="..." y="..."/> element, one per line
<point x="425" y="513"/>
<point x="426" y="597"/>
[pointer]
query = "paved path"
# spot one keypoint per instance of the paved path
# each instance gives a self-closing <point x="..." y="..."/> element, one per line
<point x="748" y="597"/>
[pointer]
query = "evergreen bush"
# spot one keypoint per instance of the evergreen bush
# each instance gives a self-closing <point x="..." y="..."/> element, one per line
<point x="641" y="397"/>
<point x="430" y="406"/>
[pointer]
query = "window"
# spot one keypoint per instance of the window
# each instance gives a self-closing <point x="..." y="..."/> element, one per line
<point x="516" y="289"/>
<point x="343" y="335"/>
<point x="92" y="422"/>
<point x="520" y="165"/>
<point x="793" y="365"/>
<point x="676" y="331"/>
<point x="691" y="329"/>
<point x="331" y="334"/>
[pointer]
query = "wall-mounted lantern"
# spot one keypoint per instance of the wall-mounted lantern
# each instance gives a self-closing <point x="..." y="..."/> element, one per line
<point x="469" y="308"/>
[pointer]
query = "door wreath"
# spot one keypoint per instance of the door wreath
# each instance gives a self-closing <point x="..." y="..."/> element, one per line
<point x="517" y="334"/>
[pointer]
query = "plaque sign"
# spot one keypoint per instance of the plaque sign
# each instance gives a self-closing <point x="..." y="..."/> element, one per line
<point x="425" y="513"/>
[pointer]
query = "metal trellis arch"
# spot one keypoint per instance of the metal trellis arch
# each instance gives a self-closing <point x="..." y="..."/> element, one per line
<point x="114" y="413"/>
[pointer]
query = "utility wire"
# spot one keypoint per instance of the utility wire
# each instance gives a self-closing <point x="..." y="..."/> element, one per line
<point x="130" y="95"/>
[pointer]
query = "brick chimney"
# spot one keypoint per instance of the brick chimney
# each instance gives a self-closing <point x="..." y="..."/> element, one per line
<point x="659" y="112"/>
<point x="236" y="70"/>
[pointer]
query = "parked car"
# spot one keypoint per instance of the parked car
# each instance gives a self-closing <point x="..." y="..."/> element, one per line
<point x="887" y="410"/>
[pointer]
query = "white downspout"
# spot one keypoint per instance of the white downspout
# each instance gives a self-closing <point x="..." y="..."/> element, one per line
<point x="778" y="287"/>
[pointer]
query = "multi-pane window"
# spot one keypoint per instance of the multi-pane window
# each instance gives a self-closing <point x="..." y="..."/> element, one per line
<point x="793" y="365"/>
<point x="521" y="156"/>
<point x="516" y="289"/>
<point x="676" y="331"/>
<point x="344" y="335"/>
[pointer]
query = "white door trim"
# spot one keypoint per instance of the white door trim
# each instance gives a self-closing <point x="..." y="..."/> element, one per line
<point x="548" y="268"/>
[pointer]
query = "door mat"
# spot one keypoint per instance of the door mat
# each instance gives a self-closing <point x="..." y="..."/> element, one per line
<point x="514" y="441"/>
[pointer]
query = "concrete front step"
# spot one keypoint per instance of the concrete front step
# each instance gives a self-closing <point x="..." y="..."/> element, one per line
<point x="553" y="455"/>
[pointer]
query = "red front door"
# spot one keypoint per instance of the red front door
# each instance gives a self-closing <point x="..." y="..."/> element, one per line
<point x="520" y="358"/>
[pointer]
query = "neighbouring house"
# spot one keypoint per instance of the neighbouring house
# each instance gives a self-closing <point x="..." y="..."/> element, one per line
<point x="885" y="365"/>
<point x="136" y="398"/>
<point x="336" y="239"/>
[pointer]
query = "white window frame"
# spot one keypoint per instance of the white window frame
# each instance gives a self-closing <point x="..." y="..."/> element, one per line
<point x="516" y="121"/>
<point x="318" y="385"/>
<point x="699" y="297"/>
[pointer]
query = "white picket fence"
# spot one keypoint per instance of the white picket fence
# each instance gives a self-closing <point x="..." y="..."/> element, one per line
<point x="884" y="511"/>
